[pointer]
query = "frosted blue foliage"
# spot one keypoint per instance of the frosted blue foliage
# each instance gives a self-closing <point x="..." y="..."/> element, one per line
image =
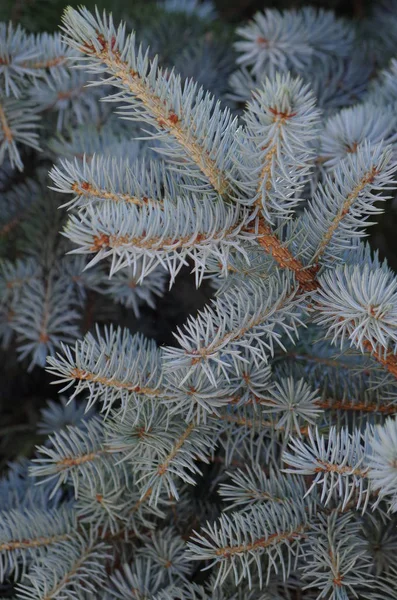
<point x="383" y="90"/>
<point x="138" y="577"/>
<point x="213" y="342"/>
<point x="293" y="402"/>
<point x="15" y="203"/>
<point x="337" y="84"/>
<point x="152" y="235"/>
<point x="101" y="177"/>
<point x="72" y="268"/>
<point x="276" y="41"/>
<point x="253" y="487"/>
<point x="126" y="287"/>
<point x="241" y="530"/>
<point x="48" y="527"/>
<point x="364" y="302"/>
<point x="242" y="84"/>
<point x="337" y="464"/>
<point x="88" y="140"/>
<point x="141" y="433"/>
<point x="162" y="476"/>
<point x="327" y="52"/>
<point x="186" y="105"/>
<point x="58" y="415"/>
<point x="166" y="550"/>
<point x="18" y="490"/>
<point x="269" y="152"/>
<point x="190" y="592"/>
<point x="249" y="266"/>
<point x="14" y="277"/>
<point x="340" y="564"/>
<point x="382" y="462"/>
<point x="209" y="62"/>
<point x="60" y="459"/>
<point x="134" y="365"/>
<point x="19" y="125"/>
<point x="110" y="505"/>
<point x="77" y="565"/>
<point x="17" y="52"/>
<point x="364" y="178"/>
<point x="196" y="395"/>
<point x="69" y="97"/>
<point x="55" y="56"/>
<point x="260" y="445"/>
<point x="351" y="127"/>
<point x="46" y="317"/>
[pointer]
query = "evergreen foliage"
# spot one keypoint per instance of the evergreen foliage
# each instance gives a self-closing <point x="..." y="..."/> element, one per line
<point x="256" y="458"/>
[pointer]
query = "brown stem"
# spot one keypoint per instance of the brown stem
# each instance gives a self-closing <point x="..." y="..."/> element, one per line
<point x="4" y="125"/>
<point x="306" y="276"/>
<point x="264" y="542"/>
<point x="163" y="468"/>
<point x="166" y="120"/>
<point x="32" y="543"/>
<point x="88" y="190"/>
<point x="388" y="360"/>
<point x="82" y="375"/>
<point x="344" y="210"/>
